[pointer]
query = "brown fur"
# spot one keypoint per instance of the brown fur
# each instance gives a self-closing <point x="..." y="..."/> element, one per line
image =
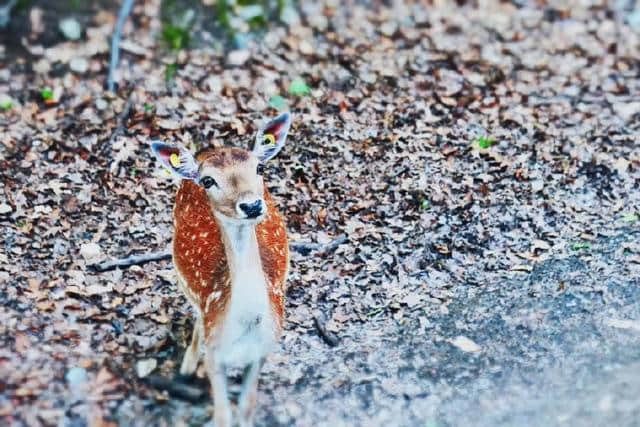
<point x="200" y="259"/>
<point x="221" y="157"/>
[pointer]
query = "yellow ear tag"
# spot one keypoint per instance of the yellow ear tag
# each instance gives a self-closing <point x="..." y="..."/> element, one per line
<point x="174" y="159"/>
<point x="270" y="139"/>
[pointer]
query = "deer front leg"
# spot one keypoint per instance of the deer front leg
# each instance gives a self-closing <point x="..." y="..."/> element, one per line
<point x="192" y="355"/>
<point x="249" y="393"/>
<point x="218" y="378"/>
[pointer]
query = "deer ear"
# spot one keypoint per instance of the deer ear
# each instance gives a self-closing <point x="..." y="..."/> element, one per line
<point x="179" y="161"/>
<point x="270" y="139"/>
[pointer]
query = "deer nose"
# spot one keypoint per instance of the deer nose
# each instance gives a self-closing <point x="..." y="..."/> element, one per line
<point x="252" y="209"/>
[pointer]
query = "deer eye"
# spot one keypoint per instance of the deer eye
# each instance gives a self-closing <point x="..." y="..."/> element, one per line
<point x="260" y="169"/>
<point x="207" y="182"/>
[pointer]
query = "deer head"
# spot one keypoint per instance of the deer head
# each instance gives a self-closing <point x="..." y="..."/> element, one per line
<point x="231" y="177"/>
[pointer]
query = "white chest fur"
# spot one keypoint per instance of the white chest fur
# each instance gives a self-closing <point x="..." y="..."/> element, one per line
<point x="248" y="331"/>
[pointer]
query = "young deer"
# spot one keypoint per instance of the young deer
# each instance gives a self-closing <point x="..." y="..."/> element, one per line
<point x="231" y="256"/>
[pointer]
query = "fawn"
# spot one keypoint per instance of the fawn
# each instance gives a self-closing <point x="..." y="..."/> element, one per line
<point x="231" y="255"/>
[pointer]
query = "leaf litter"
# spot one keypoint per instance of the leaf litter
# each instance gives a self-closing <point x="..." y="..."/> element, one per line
<point x="388" y="106"/>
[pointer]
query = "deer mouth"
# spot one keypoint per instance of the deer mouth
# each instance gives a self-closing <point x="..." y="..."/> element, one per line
<point x="257" y="218"/>
<point x="236" y="219"/>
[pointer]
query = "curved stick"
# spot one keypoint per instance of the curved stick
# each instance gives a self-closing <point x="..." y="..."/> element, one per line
<point x="131" y="260"/>
<point x="5" y="12"/>
<point x="302" y="247"/>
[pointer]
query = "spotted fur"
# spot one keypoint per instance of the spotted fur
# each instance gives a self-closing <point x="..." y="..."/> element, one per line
<point x="200" y="259"/>
<point x="231" y="257"/>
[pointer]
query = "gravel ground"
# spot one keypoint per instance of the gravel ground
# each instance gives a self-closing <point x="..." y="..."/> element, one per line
<point x="557" y="346"/>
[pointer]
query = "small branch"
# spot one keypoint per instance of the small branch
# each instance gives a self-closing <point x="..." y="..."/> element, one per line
<point x="177" y="388"/>
<point x="305" y="248"/>
<point x="119" y="130"/>
<point x="329" y="338"/>
<point x="131" y="260"/>
<point x="5" y="12"/>
<point x="125" y="10"/>
<point x="120" y="120"/>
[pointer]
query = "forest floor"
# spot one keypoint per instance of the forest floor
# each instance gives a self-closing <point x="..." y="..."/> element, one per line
<point x="482" y="162"/>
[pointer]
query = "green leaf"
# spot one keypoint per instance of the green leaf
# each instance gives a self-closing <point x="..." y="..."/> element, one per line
<point x="298" y="87"/>
<point x="279" y="103"/>
<point x="224" y="17"/>
<point x="485" y="142"/>
<point x="375" y="311"/>
<point x="148" y="107"/>
<point x="170" y="72"/>
<point x="6" y="104"/>
<point x="580" y="245"/>
<point x="630" y="217"/>
<point x="176" y="37"/>
<point x="46" y="93"/>
<point x="425" y="205"/>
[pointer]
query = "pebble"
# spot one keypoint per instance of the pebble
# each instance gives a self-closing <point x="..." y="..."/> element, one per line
<point x="76" y="376"/>
<point x="289" y="16"/>
<point x="537" y="185"/>
<point x="305" y="47"/>
<point x="633" y="325"/>
<point x="42" y="66"/>
<point x="79" y="65"/>
<point x="145" y="367"/>
<point x="388" y="28"/>
<point x="238" y="56"/>
<point x="101" y="104"/>
<point x="70" y="28"/>
<point x="633" y="19"/>
<point x="319" y="22"/>
<point x="626" y="110"/>
<point x="368" y="77"/>
<point x="465" y="344"/>
<point x="90" y="251"/>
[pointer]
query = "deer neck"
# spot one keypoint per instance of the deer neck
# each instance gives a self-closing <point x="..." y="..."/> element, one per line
<point x="243" y="256"/>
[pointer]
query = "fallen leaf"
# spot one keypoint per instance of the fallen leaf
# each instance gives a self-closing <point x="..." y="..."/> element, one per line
<point x="465" y="344"/>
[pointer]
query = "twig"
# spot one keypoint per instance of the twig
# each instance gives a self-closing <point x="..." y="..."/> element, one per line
<point x="126" y="111"/>
<point x="131" y="260"/>
<point x="121" y="118"/>
<point x="177" y="388"/>
<point x="305" y="248"/>
<point x="330" y="339"/>
<point x="5" y="13"/>
<point x="125" y="10"/>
